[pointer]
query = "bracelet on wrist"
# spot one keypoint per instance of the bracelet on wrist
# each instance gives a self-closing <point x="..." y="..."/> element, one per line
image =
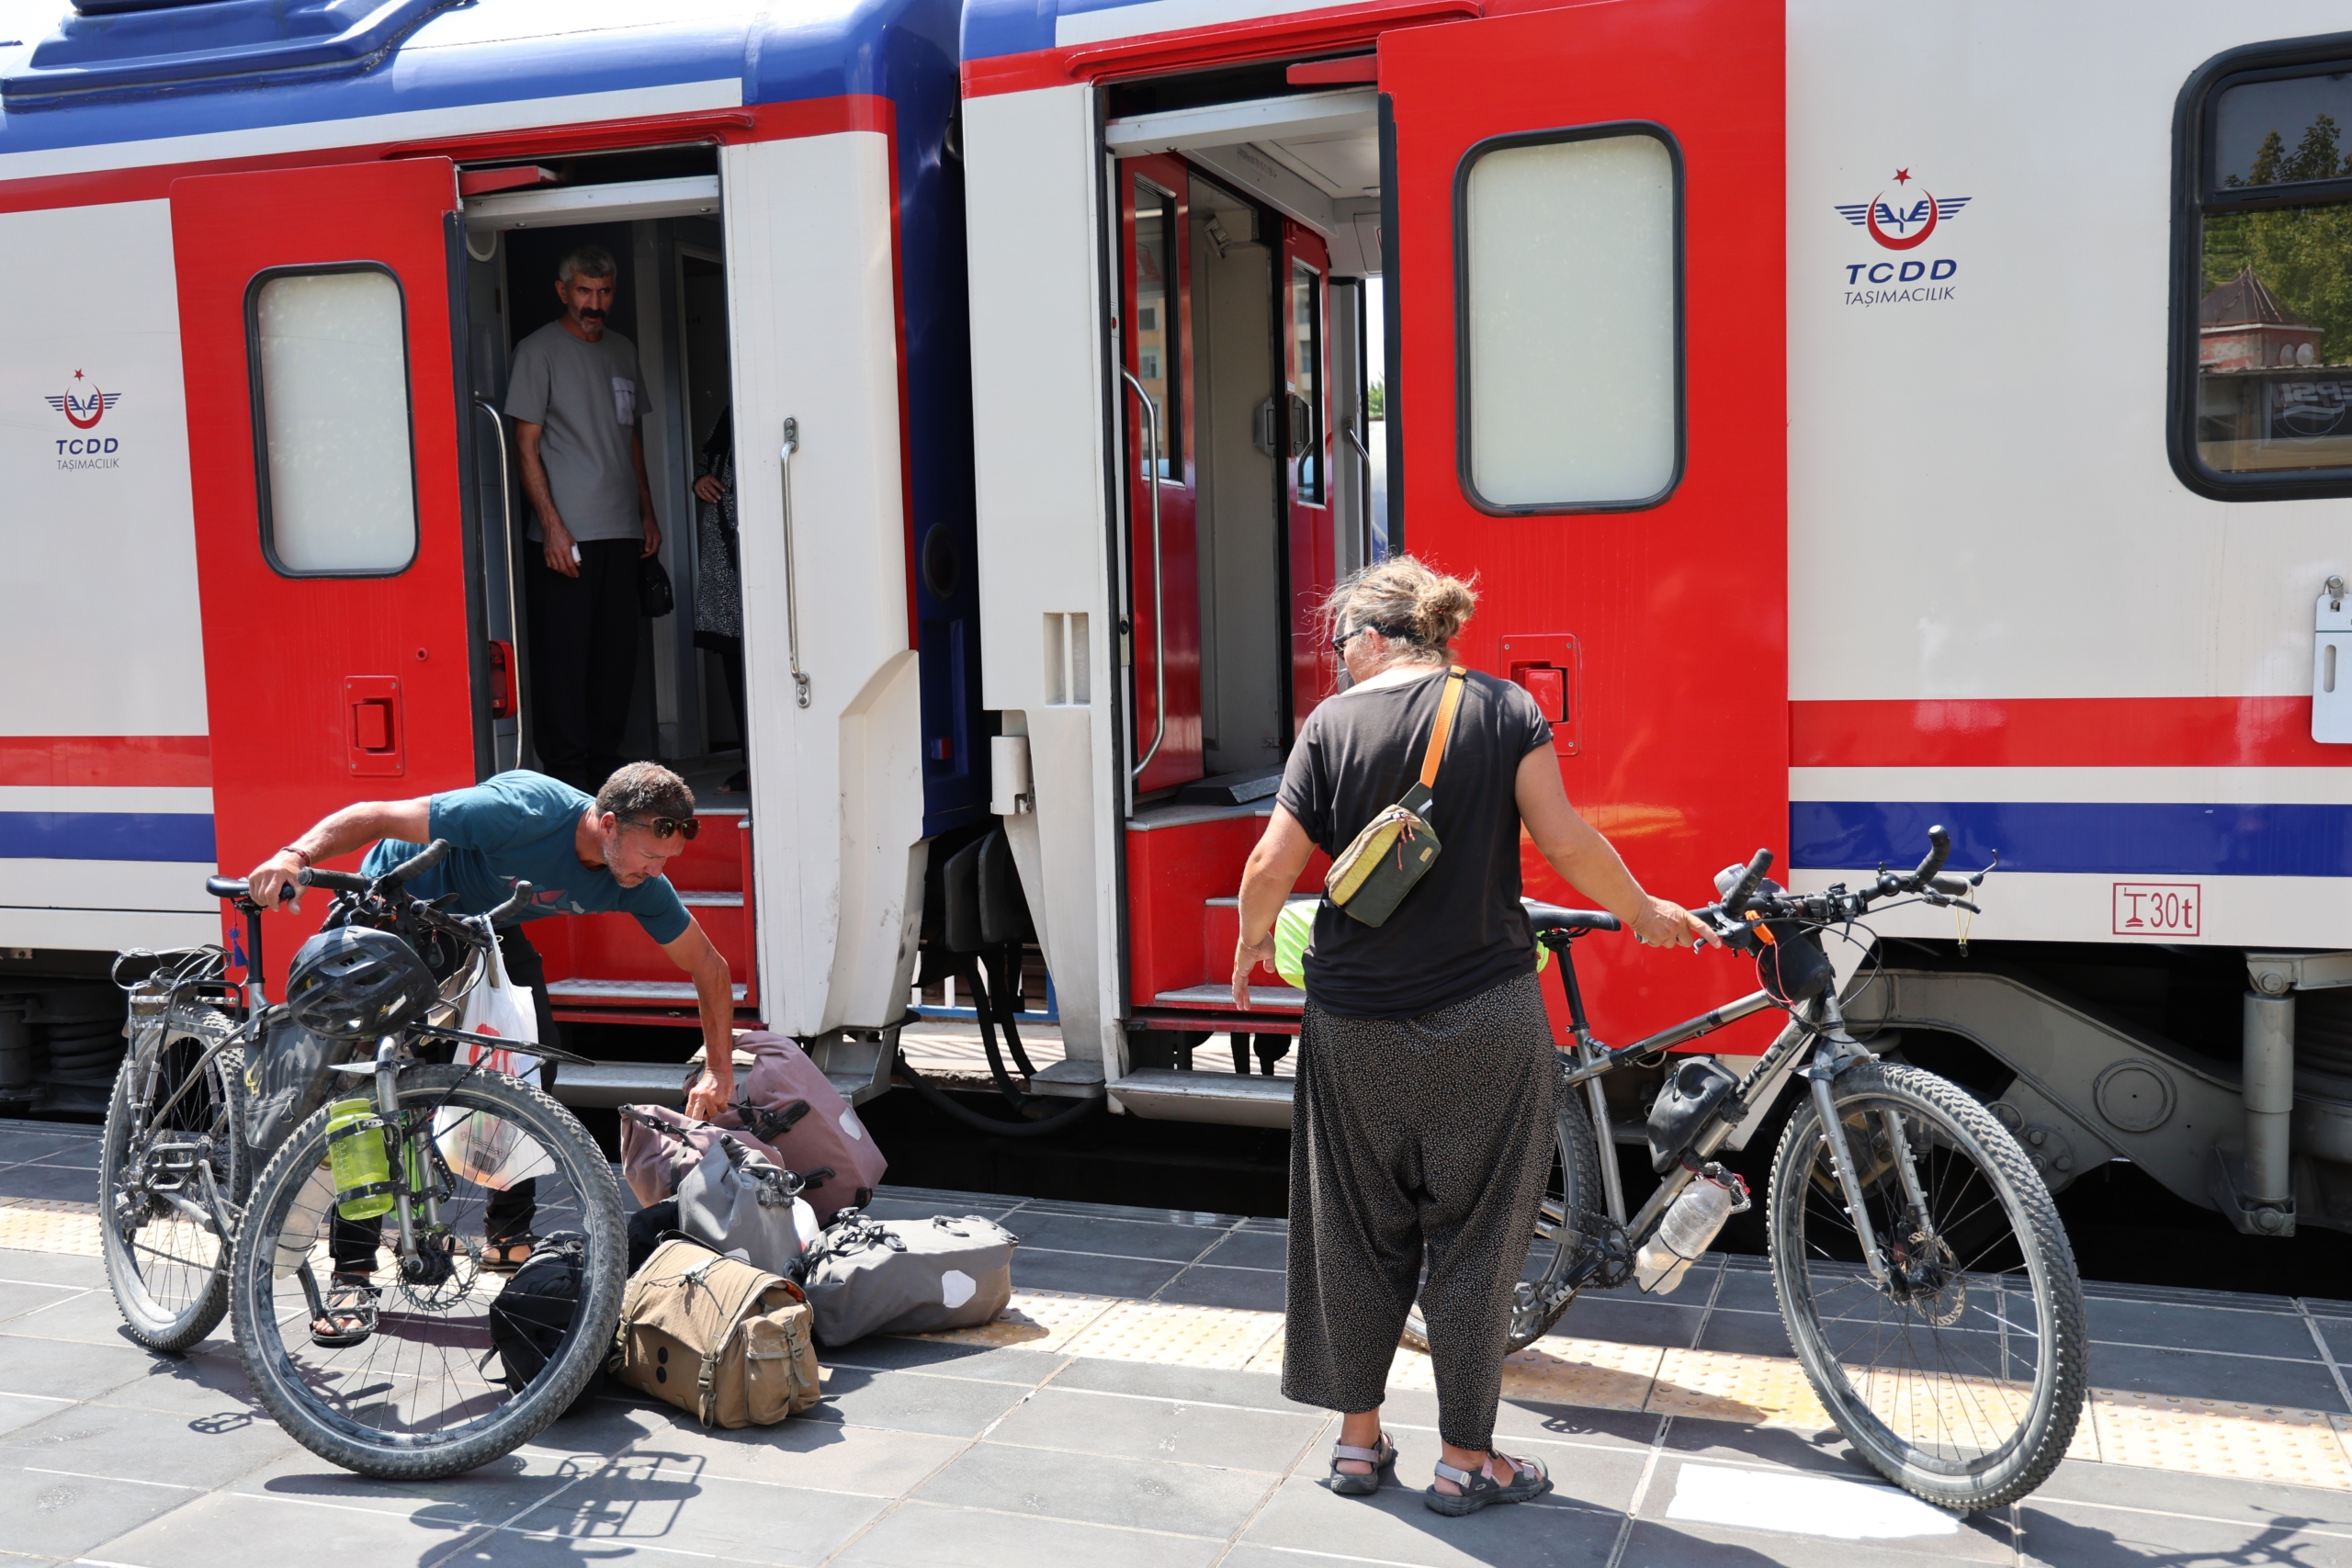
<point x="297" y="854"/>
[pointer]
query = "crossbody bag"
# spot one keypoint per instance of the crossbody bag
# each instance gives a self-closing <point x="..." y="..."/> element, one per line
<point x="1396" y="850"/>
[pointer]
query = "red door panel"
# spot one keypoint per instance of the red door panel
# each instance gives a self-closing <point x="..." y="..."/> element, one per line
<point x="1155" y="347"/>
<point x="1307" y="475"/>
<point x="1677" y="749"/>
<point x="322" y="689"/>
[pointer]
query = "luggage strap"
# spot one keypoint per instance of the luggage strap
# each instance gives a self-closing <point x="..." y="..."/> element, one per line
<point x="1443" y="729"/>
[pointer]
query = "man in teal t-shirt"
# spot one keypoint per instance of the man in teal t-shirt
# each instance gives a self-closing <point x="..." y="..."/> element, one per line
<point x="582" y="856"/>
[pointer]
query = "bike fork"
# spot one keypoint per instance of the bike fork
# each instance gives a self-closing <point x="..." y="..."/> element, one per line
<point x="1841" y="1157"/>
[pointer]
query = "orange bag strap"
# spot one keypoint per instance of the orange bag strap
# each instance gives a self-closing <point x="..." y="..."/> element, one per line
<point x="1444" y="728"/>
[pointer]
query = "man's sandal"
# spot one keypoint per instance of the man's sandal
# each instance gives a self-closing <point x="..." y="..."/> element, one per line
<point x="505" y="1256"/>
<point x="348" y="1312"/>
<point x="1382" y="1458"/>
<point x="1529" y="1480"/>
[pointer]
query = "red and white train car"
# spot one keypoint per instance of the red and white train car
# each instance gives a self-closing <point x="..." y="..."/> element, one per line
<point x="1859" y="417"/>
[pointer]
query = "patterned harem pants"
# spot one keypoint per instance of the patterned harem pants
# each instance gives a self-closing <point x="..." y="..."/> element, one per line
<point x="1432" y="1133"/>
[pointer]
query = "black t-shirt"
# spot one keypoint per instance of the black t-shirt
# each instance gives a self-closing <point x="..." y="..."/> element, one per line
<point x="1461" y="929"/>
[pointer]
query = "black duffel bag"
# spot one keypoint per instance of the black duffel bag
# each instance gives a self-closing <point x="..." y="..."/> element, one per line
<point x="531" y="1316"/>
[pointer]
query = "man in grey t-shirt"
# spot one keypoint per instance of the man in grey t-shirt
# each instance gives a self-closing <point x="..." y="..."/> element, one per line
<point x="574" y="398"/>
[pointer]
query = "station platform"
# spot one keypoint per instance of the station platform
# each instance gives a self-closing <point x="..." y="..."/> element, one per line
<point x="1128" y="1410"/>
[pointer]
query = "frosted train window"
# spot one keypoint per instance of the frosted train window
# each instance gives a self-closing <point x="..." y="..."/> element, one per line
<point x="1568" y="260"/>
<point x="335" y="467"/>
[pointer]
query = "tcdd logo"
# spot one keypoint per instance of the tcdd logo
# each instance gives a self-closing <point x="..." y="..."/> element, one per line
<point x="1879" y="216"/>
<point x="85" y="409"/>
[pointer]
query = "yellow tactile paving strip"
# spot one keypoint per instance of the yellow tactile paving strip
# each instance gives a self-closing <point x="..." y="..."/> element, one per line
<point x="2216" y="1438"/>
<point x="2251" y="1442"/>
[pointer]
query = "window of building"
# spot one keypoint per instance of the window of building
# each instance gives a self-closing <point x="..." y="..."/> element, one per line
<point x="335" y="468"/>
<point x="2262" y="383"/>
<point x="1568" y="247"/>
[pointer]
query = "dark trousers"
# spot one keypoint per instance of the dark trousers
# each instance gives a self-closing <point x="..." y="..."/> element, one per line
<point x="583" y="660"/>
<point x="506" y="1216"/>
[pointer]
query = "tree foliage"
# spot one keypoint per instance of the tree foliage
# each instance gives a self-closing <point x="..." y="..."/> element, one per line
<point x="2302" y="253"/>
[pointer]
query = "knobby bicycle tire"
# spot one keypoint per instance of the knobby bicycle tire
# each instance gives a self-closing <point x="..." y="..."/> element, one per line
<point x="1558" y="1240"/>
<point x="170" y="1276"/>
<point x="388" y="1455"/>
<point x="1933" y="1421"/>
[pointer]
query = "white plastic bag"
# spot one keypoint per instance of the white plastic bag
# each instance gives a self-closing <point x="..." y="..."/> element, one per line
<point x="491" y="1150"/>
<point x="500" y="1010"/>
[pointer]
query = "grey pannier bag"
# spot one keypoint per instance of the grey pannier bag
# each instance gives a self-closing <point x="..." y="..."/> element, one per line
<point x="742" y="1205"/>
<point x="906" y="1276"/>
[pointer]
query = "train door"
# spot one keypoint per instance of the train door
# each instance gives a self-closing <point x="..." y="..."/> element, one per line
<point x="1163" y="637"/>
<point x="334" y="545"/>
<point x="1588" y="387"/>
<point x="1311" y="544"/>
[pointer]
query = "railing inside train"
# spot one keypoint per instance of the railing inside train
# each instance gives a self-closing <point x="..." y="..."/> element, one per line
<point x="506" y="527"/>
<point x="791" y="594"/>
<point x="1152" y="460"/>
<point x="1050" y="1012"/>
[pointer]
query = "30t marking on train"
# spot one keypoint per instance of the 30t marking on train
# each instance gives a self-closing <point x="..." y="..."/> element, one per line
<point x="2158" y="909"/>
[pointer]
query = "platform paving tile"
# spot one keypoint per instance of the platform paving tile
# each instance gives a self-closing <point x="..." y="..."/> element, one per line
<point x="921" y="1534"/>
<point x="19" y="1143"/>
<point x="239" y="1529"/>
<point x="2243" y="1331"/>
<point x="1179" y="1431"/>
<point x="19" y="1298"/>
<point x="2201" y="1374"/>
<point x="1090" y="1275"/>
<point x="1112" y="1238"/>
<point x="984" y="1363"/>
<point x="1102" y="1489"/>
<point x="1306" y="1521"/>
<point x="1248" y="1248"/>
<point x="57" y="1512"/>
<point x="1248" y="1289"/>
<point x="907" y="1402"/>
<point x="672" y="1505"/>
<point x="1769" y="1508"/>
<point x="51" y="1183"/>
<point x="1636" y="1321"/>
<point x="107" y="1440"/>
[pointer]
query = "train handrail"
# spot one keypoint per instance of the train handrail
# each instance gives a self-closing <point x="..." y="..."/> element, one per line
<point x="791" y="587"/>
<point x="1363" y="451"/>
<point x="1159" y="580"/>
<point x="506" y="516"/>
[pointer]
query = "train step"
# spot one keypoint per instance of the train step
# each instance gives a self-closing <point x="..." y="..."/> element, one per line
<point x="1169" y="1095"/>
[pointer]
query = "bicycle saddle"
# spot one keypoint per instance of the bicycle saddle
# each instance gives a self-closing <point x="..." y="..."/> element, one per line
<point x="1551" y="917"/>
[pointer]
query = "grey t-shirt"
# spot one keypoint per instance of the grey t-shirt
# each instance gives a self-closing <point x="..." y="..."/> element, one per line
<point x="1461" y="931"/>
<point x="586" y="395"/>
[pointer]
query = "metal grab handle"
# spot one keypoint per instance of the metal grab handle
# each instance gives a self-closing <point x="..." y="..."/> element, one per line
<point x="1159" y="580"/>
<point x="506" y="513"/>
<point x="791" y="589"/>
<point x="1365" y="453"/>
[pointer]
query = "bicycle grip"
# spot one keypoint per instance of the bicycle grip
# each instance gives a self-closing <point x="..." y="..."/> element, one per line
<point x="417" y="865"/>
<point x="1951" y="886"/>
<point x="332" y="881"/>
<point x="519" y="900"/>
<point x="1939" y="840"/>
<point x="1736" y="901"/>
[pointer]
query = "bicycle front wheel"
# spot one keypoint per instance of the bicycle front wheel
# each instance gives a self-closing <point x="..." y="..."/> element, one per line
<point x="171" y="1163"/>
<point x="1957" y="1369"/>
<point x="411" y="1378"/>
<point x="1564" y="1224"/>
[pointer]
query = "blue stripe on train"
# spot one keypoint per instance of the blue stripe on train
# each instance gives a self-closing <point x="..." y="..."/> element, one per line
<point x="2103" y="838"/>
<point x="106" y="835"/>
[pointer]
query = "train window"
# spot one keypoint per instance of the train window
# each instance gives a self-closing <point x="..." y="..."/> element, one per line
<point x="334" y="467"/>
<point x="2262" y="309"/>
<point x="1568" y="250"/>
<point x="1159" y="341"/>
<point x="1306" y="356"/>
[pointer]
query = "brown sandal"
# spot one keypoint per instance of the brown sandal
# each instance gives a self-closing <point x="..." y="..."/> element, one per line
<point x="505" y="1256"/>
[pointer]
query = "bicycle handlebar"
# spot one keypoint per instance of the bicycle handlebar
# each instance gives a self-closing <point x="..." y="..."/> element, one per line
<point x="1739" y="904"/>
<point x="332" y="881"/>
<point x="1736" y="900"/>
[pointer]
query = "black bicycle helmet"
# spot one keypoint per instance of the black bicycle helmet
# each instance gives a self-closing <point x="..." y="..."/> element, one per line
<point x="353" y="982"/>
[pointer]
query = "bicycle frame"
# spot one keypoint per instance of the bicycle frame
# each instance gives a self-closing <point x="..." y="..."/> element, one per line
<point x="1821" y="1025"/>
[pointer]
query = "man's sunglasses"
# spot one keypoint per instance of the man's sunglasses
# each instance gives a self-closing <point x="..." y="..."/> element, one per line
<point x="666" y="827"/>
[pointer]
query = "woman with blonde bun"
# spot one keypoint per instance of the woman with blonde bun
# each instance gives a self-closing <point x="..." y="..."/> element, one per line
<point x="1421" y="1128"/>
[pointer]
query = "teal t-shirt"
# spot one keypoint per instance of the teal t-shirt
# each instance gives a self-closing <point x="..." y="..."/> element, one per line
<point x="519" y="826"/>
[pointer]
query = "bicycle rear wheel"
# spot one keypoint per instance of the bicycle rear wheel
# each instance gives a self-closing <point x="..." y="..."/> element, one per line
<point x="166" y="1259"/>
<point x="1562" y="1224"/>
<point x="426" y="1392"/>
<point x="1960" y="1377"/>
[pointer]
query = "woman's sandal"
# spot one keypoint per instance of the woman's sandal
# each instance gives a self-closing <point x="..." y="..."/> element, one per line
<point x="505" y="1256"/>
<point x="1381" y="1457"/>
<point x="1529" y="1480"/>
<point x="349" y="1301"/>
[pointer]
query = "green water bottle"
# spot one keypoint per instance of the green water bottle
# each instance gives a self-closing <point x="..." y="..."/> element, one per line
<point x="359" y="1160"/>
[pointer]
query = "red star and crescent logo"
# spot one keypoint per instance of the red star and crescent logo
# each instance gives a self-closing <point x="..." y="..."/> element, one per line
<point x="83" y="410"/>
<point x="1903" y="224"/>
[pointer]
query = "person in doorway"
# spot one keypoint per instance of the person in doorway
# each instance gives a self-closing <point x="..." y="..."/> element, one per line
<point x="574" y="396"/>
<point x="1428" y="1088"/>
<point x="718" y="578"/>
<point x="580" y="856"/>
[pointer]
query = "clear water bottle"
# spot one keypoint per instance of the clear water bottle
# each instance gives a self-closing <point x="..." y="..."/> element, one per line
<point x="1689" y="1228"/>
